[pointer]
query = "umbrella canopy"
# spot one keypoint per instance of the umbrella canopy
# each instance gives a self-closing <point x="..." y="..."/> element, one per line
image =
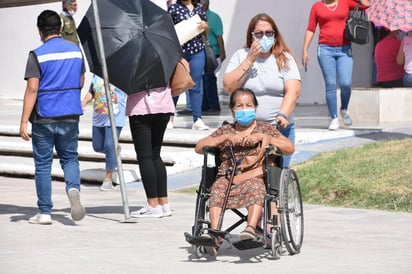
<point x="391" y="14"/>
<point x="139" y="40"/>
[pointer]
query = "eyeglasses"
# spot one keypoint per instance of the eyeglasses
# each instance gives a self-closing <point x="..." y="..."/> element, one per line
<point x="259" y="34"/>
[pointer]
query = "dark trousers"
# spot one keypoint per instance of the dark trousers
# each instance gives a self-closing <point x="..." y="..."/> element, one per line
<point x="210" y="96"/>
<point x="147" y="133"/>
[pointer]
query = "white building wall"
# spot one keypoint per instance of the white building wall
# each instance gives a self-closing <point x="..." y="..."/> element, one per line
<point x="19" y="36"/>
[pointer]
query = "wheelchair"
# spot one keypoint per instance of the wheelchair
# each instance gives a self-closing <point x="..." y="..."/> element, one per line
<point x="281" y="228"/>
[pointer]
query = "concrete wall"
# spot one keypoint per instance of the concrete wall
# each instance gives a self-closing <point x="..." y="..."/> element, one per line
<point x="20" y="35"/>
<point x="379" y="106"/>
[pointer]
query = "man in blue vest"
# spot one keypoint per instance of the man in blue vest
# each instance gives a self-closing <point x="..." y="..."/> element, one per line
<point x="52" y="104"/>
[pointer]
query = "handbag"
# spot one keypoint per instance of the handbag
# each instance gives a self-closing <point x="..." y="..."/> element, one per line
<point x="181" y="79"/>
<point x="357" y="26"/>
<point x="210" y="58"/>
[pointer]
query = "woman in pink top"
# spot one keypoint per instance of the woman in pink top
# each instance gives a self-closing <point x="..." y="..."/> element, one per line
<point x="405" y="58"/>
<point x="149" y="113"/>
<point x="389" y="72"/>
<point x="334" y="52"/>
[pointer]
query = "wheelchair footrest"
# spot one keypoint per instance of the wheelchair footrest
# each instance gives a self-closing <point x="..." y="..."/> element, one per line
<point x="200" y="240"/>
<point x="248" y="244"/>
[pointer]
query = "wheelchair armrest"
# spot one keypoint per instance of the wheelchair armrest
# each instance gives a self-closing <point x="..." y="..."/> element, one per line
<point x="208" y="149"/>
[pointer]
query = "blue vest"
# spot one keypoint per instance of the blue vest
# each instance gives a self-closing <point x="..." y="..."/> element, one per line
<point x="61" y="65"/>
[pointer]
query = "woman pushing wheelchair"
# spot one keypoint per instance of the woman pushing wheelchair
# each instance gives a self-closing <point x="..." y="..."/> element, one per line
<point x="241" y="147"/>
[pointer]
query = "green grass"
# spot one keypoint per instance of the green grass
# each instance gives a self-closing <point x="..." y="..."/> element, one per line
<point x="374" y="176"/>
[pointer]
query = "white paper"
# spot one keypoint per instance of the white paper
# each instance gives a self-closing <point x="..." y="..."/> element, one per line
<point x="187" y="29"/>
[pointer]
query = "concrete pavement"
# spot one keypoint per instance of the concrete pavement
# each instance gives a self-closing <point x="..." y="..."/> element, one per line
<point x="337" y="240"/>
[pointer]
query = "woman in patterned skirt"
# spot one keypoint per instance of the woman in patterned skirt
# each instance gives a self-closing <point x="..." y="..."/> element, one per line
<point x="247" y="139"/>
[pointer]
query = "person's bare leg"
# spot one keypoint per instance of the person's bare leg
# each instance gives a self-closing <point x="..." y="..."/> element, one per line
<point x="162" y="200"/>
<point x="254" y="214"/>
<point x="214" y="213"/>
<point x="153" y="202"/>
<point x="109" y="175"/>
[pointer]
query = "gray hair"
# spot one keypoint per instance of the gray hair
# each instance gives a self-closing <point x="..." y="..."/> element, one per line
<point x="66" y="3"/>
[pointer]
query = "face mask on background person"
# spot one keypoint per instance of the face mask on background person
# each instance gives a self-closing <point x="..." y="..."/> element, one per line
<point x="72" y="12"/>
<point x="266" y="43"/>
<point x="245" y="116"/>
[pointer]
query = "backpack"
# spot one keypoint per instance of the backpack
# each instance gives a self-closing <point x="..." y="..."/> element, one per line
<point x="357" y="26"/>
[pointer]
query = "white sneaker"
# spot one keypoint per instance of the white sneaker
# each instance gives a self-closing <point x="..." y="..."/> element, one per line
<point x="334" y="124"/>
<point x="166" y="210"/>
<point x="41" y="219"/>
<point x="77" y="210"/>
<point x="148" y="212"/>
<point x="347" y="120"/>
<point x="199" y="125"/>
<point x="106" y="185"/>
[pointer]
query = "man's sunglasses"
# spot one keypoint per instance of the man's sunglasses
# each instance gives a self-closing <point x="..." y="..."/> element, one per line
<point x="259" y="34"/>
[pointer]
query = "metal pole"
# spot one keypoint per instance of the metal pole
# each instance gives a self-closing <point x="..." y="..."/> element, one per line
<point x="110" y="106"/>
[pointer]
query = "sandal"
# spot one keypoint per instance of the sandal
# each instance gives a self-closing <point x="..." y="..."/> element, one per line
<point x="248" y="235"/>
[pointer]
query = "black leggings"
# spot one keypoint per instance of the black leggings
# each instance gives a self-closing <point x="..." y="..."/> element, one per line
<point x="147" y="133"/>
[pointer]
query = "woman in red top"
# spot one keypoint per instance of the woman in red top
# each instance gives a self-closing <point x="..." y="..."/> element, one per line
<point x="334" y="52"/>
<point x="389" y="72"/>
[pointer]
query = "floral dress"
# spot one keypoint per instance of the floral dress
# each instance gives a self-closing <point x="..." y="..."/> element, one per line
<point x="249" y="192"/>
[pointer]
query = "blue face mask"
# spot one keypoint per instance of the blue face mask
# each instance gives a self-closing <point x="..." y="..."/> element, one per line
<point x="245" y="116"/>
<point x="266" y="43"/>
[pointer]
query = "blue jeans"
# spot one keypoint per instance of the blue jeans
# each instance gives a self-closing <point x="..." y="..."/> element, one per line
<point x="407" y="80"/>
<point x="103" y="142"/>
<point x="336" y="63"/>
<point x="288" y="132"/>
<point x="197" y="65"/>
<point x="63" y="136"/>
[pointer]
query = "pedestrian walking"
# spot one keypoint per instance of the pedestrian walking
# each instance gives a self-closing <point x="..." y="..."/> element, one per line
<point x="52" y="104"/>
<point x="102" y="137"/>
<point x="334" y="53"/>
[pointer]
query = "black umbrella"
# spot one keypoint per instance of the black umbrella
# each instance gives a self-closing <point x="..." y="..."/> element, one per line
<point x="140" y="44"/>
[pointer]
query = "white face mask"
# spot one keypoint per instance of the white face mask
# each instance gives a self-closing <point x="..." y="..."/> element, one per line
<point x="71" y="12"/>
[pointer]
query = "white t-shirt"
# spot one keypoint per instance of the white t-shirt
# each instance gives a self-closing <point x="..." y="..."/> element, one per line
<point x="267" y="82"/>
<point x="161" y="3"/>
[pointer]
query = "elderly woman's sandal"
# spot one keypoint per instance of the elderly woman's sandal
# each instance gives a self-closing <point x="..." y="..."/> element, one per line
<point x="248" y="235"/>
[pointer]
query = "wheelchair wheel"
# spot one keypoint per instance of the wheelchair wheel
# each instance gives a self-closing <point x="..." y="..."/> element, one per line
<point x="276" y="244"/>
<point x="197" y="251"/>
<point x="291" y="212"/>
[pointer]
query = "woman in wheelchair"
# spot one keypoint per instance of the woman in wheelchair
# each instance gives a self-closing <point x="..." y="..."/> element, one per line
<point x="241" y="147"/>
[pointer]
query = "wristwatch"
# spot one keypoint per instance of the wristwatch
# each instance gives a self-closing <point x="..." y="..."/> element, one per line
<point x="281" y="114"/>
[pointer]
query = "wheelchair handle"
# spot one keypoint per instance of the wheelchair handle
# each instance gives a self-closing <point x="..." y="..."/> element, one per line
<point x="273" y="150"/>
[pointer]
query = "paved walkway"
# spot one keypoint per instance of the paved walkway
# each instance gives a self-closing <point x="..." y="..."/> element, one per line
<point x="336" y="240"/>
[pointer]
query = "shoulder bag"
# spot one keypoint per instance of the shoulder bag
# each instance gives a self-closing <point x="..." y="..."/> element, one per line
<point x="210" y="58"/>
<point x="357" y="26"/>
<point x="181" y="79"/>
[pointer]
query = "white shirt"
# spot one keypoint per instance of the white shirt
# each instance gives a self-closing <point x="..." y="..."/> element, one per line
<point x="267" y="82"/>
<point x="161" y="3"/>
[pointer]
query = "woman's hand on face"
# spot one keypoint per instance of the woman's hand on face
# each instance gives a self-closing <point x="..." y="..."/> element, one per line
<point x="254" y="51"/>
